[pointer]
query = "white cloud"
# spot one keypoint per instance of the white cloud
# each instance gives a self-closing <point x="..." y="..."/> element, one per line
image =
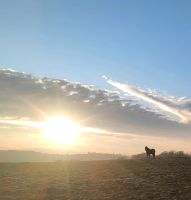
<point x="167" y="103"/>
<point x="22" y="98"/>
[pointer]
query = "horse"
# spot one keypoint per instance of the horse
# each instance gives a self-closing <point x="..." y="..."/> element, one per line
<point x="150" y="152"/>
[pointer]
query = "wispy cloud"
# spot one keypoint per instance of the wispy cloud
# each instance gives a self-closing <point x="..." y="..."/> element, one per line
<point x="27" y="123"/>
<point x="167" y="105"/>
<point x="20" y="122"/>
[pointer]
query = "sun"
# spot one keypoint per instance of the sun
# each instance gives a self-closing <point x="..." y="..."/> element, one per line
<point x="61" y="130"/>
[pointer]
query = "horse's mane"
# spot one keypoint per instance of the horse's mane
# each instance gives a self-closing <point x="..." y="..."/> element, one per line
<point x="147" y="148"/>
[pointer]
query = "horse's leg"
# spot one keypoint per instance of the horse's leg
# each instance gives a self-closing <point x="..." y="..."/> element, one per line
<point x="153" y="155"/>
<point x="149" y="155"/>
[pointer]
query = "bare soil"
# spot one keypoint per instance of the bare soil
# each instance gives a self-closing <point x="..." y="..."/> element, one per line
<point x="157" y="179"/>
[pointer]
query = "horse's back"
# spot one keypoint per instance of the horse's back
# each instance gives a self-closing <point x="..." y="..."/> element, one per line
<point x="153" y="150"/>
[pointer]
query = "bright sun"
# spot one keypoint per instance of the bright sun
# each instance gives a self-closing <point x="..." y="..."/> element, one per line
<point x="61" y="130"/>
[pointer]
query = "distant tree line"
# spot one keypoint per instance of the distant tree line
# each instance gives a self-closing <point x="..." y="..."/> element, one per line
<point x="173" y="154"/>
<point x="165" y="154"/>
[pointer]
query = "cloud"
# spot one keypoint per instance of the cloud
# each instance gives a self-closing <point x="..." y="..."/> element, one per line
<point x="27" y="99"/>
<point x="179" y="108"/>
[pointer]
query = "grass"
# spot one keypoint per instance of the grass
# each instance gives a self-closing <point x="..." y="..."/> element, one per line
<point x="157" y="179"/>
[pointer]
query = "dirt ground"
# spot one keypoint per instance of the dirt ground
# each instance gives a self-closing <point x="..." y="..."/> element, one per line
<point x="159" y="179"/>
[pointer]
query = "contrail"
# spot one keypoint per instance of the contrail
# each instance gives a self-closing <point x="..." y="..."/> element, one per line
<point x="185" y="116"/>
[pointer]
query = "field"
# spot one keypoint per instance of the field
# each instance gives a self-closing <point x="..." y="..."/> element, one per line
<point x="159" y="179"/>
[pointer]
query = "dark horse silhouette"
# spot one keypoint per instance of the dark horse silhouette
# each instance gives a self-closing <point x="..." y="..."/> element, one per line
<point x="150" y="152"/>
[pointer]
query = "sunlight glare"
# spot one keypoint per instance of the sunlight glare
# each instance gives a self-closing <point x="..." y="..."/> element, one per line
<point x="61" y="130"/>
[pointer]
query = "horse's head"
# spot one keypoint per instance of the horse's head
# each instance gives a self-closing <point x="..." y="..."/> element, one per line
<point x="146" y="148"/>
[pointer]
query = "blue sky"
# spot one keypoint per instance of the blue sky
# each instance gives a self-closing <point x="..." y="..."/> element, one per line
<point x="144" y="48"/>
<point x="143" y="43"/>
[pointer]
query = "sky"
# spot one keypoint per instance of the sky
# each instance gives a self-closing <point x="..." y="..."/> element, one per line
<point x="138" y="48"/>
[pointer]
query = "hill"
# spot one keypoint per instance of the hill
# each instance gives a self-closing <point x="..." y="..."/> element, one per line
<point x="32" y="156"/>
